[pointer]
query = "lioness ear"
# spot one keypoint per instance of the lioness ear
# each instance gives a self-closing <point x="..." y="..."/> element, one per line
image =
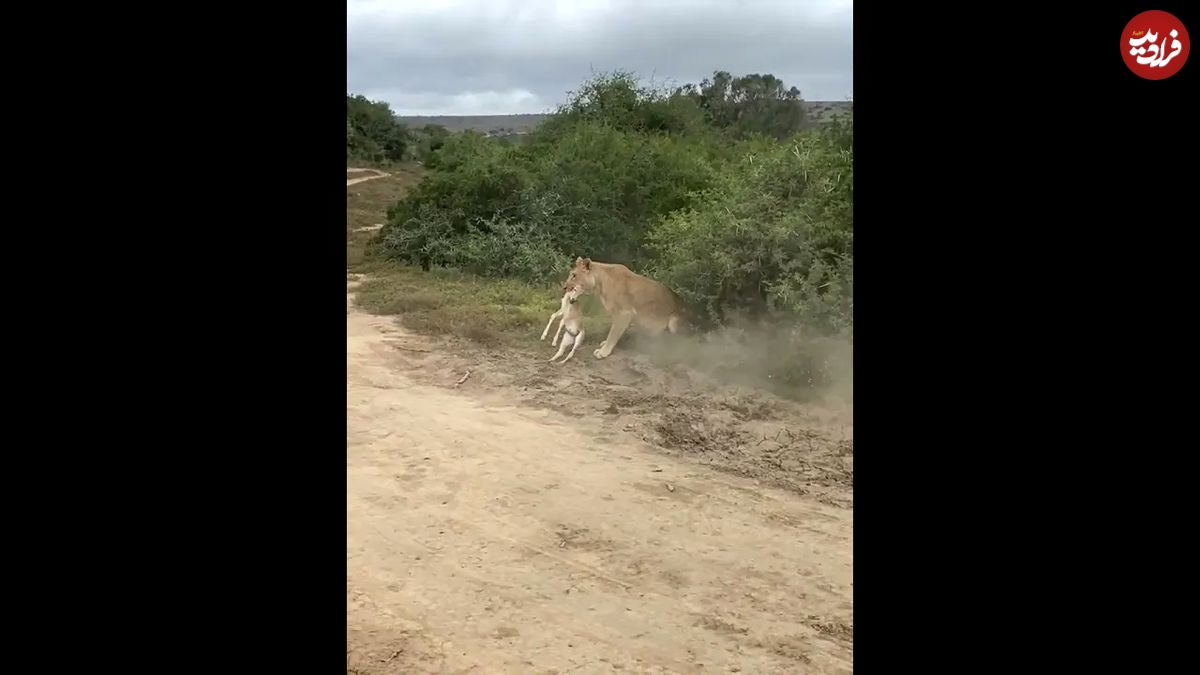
<point x="587" y="263"/>
<point x="579" y="261"/>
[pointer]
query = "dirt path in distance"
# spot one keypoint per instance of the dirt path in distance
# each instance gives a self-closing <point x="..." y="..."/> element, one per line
<point x="359" y="178"/>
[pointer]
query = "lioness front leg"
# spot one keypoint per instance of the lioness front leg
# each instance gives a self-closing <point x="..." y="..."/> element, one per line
<point x="619" y="324"/>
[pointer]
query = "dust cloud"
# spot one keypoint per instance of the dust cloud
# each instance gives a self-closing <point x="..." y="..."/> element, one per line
<point x="787" y="360"/>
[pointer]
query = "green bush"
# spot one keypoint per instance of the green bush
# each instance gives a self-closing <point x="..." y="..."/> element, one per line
<point x="475" y="183"/>
<point x="618" y="101"/>
<point x="774" y="233"/>
<point x="598" y="188"/>
<point x="375" y="135"/>
<point x="595" y="189"/>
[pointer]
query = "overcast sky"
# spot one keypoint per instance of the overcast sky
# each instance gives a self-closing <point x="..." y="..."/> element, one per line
<point x="497" y="57"/>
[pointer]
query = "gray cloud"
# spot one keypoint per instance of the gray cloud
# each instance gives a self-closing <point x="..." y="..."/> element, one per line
<point x="464" y="57"/>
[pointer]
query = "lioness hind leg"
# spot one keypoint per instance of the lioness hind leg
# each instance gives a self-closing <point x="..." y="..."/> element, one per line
<point x="675" y="324"/>
<point x="562" y="347"/>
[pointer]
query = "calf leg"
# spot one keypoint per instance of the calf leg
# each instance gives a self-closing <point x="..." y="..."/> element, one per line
<point x="578" y="339"/>
<point x="552" y="318"/>
<point x="562" y="324"/>
<point x="566" y="342"/>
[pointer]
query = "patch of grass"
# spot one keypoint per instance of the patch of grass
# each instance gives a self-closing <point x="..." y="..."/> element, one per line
<point x="398" y="299"/>
<point x="489" y="311"/>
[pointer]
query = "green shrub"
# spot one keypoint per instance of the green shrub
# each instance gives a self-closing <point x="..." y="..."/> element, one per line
<point x="596" y="189"/>
<point x="775" y="232"/>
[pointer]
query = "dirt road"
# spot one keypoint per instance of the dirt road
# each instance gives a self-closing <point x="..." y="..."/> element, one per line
<point x="360" y="179"/>
<point x="487" y="536"/>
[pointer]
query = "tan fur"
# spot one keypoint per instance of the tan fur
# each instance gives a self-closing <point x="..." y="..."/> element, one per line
<point x="627" y="297"/>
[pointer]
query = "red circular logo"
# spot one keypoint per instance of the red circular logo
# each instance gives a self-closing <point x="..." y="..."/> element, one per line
<point x="1155" y="45"/>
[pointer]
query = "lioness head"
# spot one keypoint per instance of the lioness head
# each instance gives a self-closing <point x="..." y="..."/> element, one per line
<point x="581" y="276"/>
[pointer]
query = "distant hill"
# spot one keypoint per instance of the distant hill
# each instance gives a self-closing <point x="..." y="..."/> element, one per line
<point x="515" y="125"/>
<point x="482" y="123"/>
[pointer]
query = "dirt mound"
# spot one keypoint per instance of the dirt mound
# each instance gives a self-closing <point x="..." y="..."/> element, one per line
<point x="687" y="431"/>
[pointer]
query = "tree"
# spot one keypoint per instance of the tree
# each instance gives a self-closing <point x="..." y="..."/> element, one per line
<point x="373" y="132"/>
<point x="751" y="104"/>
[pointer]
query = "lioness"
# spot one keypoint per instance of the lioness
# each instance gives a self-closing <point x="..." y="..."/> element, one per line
<point x="627" y="296"/>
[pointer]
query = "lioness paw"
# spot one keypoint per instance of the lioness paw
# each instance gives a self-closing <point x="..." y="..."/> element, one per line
<point x="599" y="353"/>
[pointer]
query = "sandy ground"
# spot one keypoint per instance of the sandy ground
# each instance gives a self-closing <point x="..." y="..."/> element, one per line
<point x="524" y="522"/>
